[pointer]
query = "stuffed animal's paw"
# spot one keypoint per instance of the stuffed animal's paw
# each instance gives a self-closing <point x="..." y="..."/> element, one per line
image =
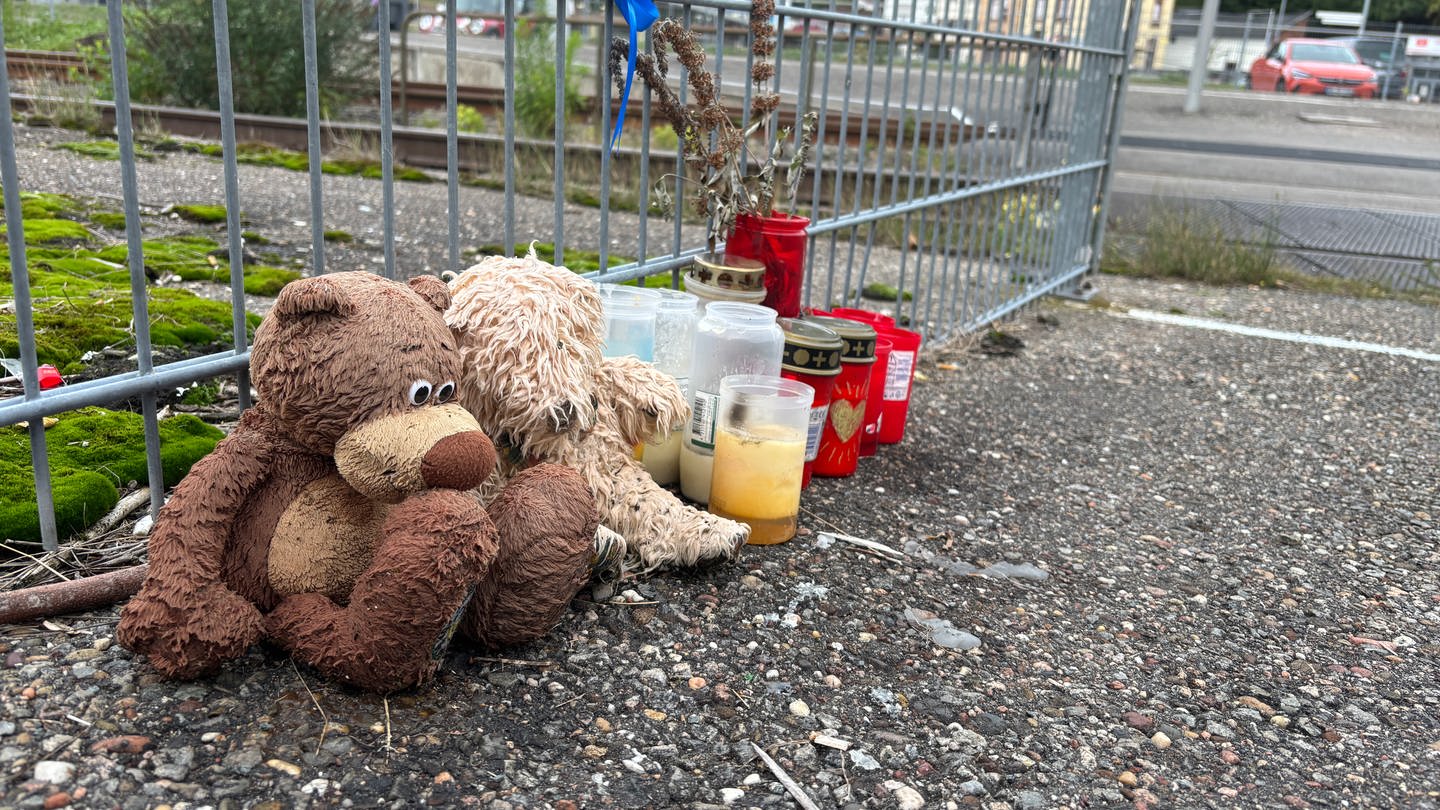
<point x="189" y="634"/>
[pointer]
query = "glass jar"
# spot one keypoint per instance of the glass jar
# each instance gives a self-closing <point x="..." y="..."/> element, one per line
<point x="760" y="454"/>
<point x="731" y="338"/>
<point x="675" y="331"/>
<point x="660" y="456"/>
<point x="840" y="441"/>
<point x="629" y="320"/>
<point x="812" y="356"/>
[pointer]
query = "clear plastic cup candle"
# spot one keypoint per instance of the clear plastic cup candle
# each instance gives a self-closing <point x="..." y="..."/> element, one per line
<point x="760" y="454"/>
<point x="629" y="320"/>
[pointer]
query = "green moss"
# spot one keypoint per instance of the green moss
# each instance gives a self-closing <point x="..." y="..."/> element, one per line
<point x="339" y="236"/>
<point x="202" y="394"/>
<point x="579" y="261"/>
<point x="113" y="220"/>
<point x="185" y="256"/>
<point x="91" y="452"/>
<point x="876" y="291"/>
<point x="83" y="305"/>
<point x="262" y="280"/>
<point x="207" y="214"/>
<point x="41" y="205"/>
<point x="53" y="231"/>
<point x="263" y="154"/>
<point x="254" y="238"/>
<point x="105" y="150"/>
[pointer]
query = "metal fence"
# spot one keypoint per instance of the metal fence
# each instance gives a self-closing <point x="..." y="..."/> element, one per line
<point x="963" y="159"/>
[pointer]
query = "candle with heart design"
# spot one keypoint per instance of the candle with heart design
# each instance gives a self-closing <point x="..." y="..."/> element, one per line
<point x="840" y="441"/>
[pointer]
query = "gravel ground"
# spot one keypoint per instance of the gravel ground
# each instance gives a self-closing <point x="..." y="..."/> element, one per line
<point x="1201" y="569"/>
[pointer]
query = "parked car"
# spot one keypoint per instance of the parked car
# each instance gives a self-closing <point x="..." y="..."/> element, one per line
<point x="1384" y="56"/>
<point x="1318" y="66"/>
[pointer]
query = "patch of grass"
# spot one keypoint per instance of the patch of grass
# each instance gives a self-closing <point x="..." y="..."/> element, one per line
<point x="51" y="27"/>
<point x="92" y="452"/>
<point x="1181" y="243"/>
<point x="104" y="150"/>
<point x="342" y="237"/>
<point x="254" y="238"/>
<point x="206" y="214"/>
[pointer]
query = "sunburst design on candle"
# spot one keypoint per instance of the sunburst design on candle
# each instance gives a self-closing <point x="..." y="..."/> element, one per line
<point x="847" y="414"/>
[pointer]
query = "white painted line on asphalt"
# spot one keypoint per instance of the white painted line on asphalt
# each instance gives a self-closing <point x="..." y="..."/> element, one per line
<point x="1275" y="334"/>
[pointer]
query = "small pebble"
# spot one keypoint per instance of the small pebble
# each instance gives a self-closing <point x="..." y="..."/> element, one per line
<point x="1161" y="740"/>
<point x="731" y="795"/>
<point x="1230" y="757"/>
<point x="1280" y="720"/>
<point x="1126" y="778"/>
<point x="54" y="772"/>
<point x="799" y="708"/>
<point x="283" y="766"/>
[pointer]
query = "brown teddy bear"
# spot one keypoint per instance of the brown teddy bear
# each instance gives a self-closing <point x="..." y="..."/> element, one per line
<point x="531" y="335"/>
<point x="339" y="519"/>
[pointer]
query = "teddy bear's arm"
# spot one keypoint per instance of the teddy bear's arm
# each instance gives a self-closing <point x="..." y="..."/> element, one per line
<point x="186" y="618"/>
<point x="646" y="400"/>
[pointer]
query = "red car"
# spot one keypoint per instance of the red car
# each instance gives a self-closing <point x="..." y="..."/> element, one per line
<point x="1313" y="66"/>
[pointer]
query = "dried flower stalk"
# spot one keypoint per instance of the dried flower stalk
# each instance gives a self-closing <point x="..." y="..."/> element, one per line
<point x="711" y="145"/>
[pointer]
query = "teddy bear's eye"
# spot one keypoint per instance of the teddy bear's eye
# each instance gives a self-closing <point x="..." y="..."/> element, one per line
<point x="420" y="392"/>
<point x="559" y="345"/>
<point x="444" y="392"/>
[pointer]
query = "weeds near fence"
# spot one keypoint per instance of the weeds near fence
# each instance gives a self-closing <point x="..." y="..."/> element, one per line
<point x="535" y="79"/>
<point x="1180" y="242"/>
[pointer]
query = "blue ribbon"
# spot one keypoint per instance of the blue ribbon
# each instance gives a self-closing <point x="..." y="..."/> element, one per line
<point x="639" y="15"/>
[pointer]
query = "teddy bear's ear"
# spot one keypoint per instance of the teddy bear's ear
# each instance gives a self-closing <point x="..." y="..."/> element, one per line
<point x="432" y="290"/>
<point x="320" y="295"/>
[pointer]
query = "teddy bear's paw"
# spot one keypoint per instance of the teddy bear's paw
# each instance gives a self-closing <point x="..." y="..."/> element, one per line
<point x="722" y="542"/>
<point x="208" y="629"/>
<point x="607" y="563"/>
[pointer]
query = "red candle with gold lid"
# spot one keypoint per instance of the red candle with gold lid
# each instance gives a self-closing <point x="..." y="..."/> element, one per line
<point x="840" y="439"/>
<point x="812" y="356"/>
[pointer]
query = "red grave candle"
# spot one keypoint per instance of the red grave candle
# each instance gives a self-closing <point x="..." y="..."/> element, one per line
<point x="840" y="440"/>
<point x="812" y="356"/>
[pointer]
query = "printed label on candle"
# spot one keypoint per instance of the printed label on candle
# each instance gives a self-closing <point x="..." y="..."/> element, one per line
<point x="897" y="375"/>
<point x="702" y="419"/>
<point x="812" y="435"/>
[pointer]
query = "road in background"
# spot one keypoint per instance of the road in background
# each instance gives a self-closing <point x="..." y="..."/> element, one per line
<point x="1343" y="187"/>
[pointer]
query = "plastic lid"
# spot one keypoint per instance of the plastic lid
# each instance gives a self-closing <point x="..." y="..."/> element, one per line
<point x="810" y="348"/>
<point x="859" y="337"/>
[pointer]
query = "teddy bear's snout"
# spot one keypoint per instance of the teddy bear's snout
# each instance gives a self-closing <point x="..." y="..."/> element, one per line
<point x="458" y="461"/>
<point x="562" y="416"/>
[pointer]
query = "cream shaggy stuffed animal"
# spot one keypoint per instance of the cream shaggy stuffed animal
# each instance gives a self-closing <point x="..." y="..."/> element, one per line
<point x="530" y="338"/>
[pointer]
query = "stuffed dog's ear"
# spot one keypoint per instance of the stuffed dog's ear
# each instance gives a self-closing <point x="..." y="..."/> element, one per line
<point x="433" y="290"/>
<point x="646" y="400"/>
<point x="320" y="295"/>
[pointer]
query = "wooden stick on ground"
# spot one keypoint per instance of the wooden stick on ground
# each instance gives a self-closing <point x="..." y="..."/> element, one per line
<point x="790" y="784"/>
<point x="122" y="510"/>
<point x="70" y="596"/>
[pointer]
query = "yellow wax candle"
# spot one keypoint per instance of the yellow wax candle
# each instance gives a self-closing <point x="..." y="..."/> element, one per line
<point x="695" y="474"/>
<point x="756" y="479"/>
<point x="662" y="459"/>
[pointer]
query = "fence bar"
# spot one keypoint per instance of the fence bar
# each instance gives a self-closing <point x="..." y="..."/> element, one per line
<point x="562" y="68"/>
<point x="1112" y="144"/>
<point x="119" y="386"/>
<point x="606" y="123"/>
<point x="312" y="117"/>
<point x="239" y="329"/>
<point x="452" y="144"/>
<point x="139" y="301"/>
<point x="387" y="143"/>
<point x="509" y="241"/>
<point x="24" y="310"/>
